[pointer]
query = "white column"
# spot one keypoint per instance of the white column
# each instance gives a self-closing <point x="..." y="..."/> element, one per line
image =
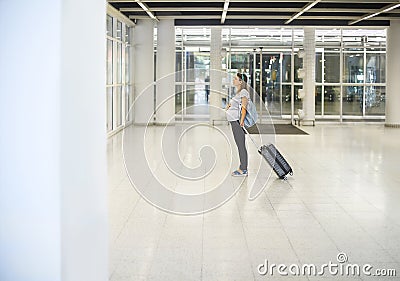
<point x="165" y="88"/>
<point x="215" y="74"/>
<point x="83" y="141"/>
<point x="309" y="79"/>
<point x="392" y="74"/>
<point x="144" y="71"/>
<point x="53" y="206"/>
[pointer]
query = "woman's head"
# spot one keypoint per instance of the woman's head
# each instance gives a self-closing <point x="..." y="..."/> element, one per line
<point x="240" y="81"/>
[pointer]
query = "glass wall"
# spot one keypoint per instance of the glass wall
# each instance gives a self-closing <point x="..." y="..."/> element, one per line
<point x="350" y="69"/>
<point x="192" y="71"/>
<point x="364" y="77"/>
<point x="118" y="73"/>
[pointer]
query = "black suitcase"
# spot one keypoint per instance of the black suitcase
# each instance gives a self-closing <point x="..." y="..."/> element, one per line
<point x="274" y="158"/>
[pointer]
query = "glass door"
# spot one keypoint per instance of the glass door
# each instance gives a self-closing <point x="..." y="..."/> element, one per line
<point x="197" y="82"/>
<point x="267" y="73"/>
<point x="264" y="70"/>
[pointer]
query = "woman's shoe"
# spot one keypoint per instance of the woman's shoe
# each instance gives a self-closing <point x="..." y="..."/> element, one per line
<point x="237" y="173"/>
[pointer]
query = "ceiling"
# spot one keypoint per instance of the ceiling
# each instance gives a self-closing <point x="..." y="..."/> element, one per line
<point x="277" y="12"/>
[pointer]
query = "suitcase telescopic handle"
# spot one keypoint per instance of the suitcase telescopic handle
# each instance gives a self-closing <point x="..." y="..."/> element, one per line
<point x="247" y="132"/>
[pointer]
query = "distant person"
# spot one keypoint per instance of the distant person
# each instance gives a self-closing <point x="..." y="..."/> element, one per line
<point x="236" y="113"/>
<point x="207" y="87"/>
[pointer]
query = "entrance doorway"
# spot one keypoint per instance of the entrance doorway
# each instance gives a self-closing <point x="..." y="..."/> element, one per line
<point x="270" y="76"/>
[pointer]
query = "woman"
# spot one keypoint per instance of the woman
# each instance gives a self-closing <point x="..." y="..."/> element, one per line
<point x="235" y="113"/>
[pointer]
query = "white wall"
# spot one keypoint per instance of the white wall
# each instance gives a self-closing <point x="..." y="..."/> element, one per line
<point x="29" y="145"/>
<point x="52" y="117"/>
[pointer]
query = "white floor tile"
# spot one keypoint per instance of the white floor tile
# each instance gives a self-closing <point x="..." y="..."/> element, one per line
<point x="343" y="197"/>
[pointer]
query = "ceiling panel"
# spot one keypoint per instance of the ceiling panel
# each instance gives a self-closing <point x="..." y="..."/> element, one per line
<point x="278" y="12"/>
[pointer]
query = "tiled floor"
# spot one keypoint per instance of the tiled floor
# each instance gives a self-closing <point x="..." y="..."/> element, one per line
<point x="343" y="197"/>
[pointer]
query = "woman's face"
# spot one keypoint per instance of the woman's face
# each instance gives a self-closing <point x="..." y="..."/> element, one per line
<point x="237" y="81"/>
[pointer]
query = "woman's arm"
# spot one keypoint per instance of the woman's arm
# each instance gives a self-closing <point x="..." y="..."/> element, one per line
<point x="243" y="111"/>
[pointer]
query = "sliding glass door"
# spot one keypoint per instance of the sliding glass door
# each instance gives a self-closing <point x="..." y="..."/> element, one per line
<point x="269" y="73"/>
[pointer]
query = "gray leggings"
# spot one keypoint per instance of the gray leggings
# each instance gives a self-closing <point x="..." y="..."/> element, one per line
<point x="239" y="136"/>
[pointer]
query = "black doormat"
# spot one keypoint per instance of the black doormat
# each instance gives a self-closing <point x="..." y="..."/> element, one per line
<point x="278" y="129"/>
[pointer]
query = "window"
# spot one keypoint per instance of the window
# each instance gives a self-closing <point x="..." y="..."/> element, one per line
<point x="119" y="84"/>
<point x="332" y="67"/>
<point x="349" y="68"/>
<point x="353" y="68"/>
<point x="109" y="26"/>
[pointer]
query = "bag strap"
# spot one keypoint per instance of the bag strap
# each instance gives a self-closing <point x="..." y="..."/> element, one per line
<point x="240" y="108"/>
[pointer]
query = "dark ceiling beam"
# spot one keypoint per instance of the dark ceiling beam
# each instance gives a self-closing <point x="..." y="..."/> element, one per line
<point x="255" y="1"/>
<point x="265" y="10"/>
<point x="175" y="9"/>
<point x="381" y="11"/>
<point x="281" y="11"/>
<point x="194" y="1"/>
<point x="115" y="13"/>
<point x="146" y="9"/>
<point x="303" y="10"/>
<point x="271" y="17"/>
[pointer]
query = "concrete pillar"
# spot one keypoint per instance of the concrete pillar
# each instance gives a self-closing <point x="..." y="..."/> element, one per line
<point x="309" y="79"/>
<point x="392" y="75"/>
<point x="165" y="88"/>
<point x="144" y="71"/>
<point x="215" y="98"/>
<point x="53" y="204"/>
